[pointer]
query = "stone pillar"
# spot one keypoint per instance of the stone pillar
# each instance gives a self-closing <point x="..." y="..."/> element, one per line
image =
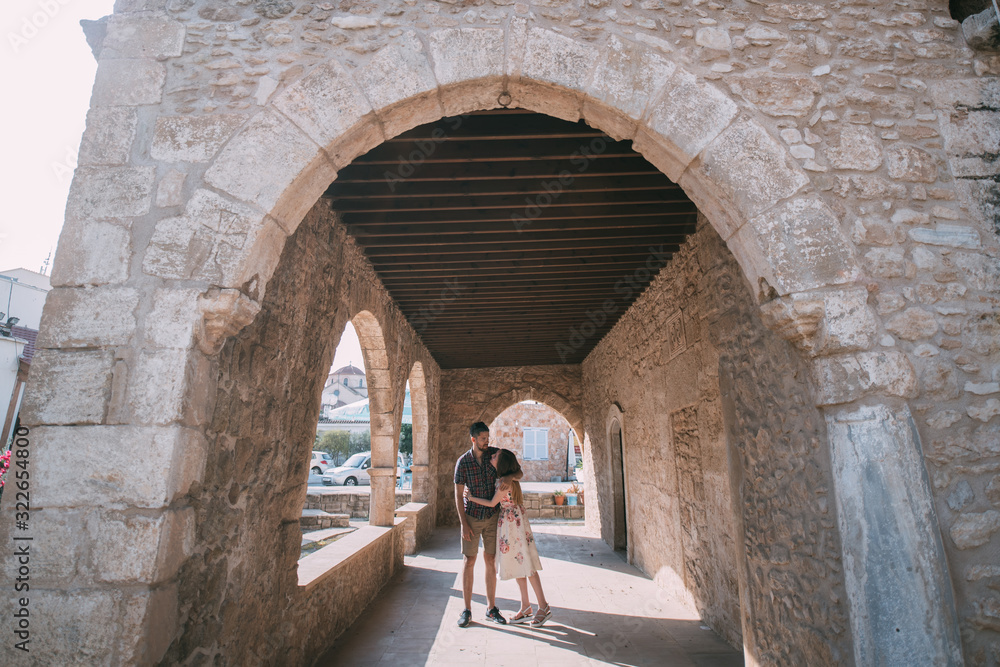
<point x="382" y="510"/>
<point x="899" y="592"/>
<point x="420" y="491"/>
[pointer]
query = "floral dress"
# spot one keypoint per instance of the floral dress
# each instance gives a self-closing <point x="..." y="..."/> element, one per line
<point x="516" y="552"/>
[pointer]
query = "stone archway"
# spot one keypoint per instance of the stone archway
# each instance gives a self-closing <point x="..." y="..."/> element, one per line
<point x="171" y="284"/>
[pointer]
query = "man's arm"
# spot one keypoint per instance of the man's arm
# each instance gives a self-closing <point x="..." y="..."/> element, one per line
<point x="460" y="506"/>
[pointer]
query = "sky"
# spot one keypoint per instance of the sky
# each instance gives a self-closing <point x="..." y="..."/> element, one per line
<point x="47" y="71"/>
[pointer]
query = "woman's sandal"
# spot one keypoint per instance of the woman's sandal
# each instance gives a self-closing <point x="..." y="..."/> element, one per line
<point x="541" y="616"/>
<point x="523" y="616"/>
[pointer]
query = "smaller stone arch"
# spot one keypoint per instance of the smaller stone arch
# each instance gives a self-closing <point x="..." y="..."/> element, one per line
<point x="550" y="398"/>
<point x="385" y="419"/>
<point x="421" y="434"/>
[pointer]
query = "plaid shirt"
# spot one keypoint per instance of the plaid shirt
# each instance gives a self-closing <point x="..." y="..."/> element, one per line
<point x="481" y="480"/>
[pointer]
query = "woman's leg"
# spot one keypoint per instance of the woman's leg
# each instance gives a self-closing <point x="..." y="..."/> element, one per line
<point x="522" y="583"/>
<point x="536" y="583"/>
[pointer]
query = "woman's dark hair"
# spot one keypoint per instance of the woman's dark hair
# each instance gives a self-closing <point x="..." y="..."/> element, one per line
<point x="507" y="465"/>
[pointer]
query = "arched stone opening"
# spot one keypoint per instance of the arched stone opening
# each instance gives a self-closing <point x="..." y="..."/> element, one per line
<point x="204" y="271"/>
<point x="617" y="536"/>
<point x="540" y="437"/>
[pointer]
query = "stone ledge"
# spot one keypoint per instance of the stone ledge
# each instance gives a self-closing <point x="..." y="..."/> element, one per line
<point x="316" y="568"/>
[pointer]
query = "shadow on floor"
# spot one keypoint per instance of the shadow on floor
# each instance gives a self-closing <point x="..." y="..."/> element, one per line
<point x="605" y="612"/>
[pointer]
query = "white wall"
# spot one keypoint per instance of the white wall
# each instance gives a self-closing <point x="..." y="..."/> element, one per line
<point x="21" y="300"/>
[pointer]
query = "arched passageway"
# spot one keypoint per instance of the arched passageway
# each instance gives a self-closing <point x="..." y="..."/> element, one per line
<point x="218" y="276"/>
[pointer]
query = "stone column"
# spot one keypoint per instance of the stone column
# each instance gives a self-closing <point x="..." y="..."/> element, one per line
<point x="899" y="591"/>
<point x="382" y="510"/>
<point x="420" y="492"/>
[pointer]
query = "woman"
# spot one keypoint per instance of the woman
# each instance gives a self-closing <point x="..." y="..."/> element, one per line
<point x="517" y="557"/>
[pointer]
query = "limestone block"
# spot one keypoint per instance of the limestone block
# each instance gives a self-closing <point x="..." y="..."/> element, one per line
<point x="173" y="318"/>
<point x="553" y="58"/>
<point x="823" y="323"/>
<point x="141" y="37"/>
<point x="87" y="466"/>
<point x="857" y="148"/>
<point x="848" y="377"/>
<point x="325" y="104"/>
<point x="682" y="122"/>
<point x="68" y="627"/>
<point x="466" y="54"/>
<point x="68" y="387"/>
<point x="128" y="82"/>
<point x="108" y="137"/>
<point x="909" y="163"/>
<point x="250" y="169"/>
<point x="629" y="76"/>
<point x="92" y="252"/>
<point x="163" y="387"/>
<point x="151" y="614"/>
<point x="135" y="548"/>
<point x="913" y="324"/>
<point x="88" y="317"/>
<point x="192" y="138"/>
<point x="58" y="544"/>
<point x="803" y="241"/>
<point x="953" y="236"/>
<point x="110" y="192"/>
<point x="961" y="496"/>
<point x="778" y="94"/>
<point x="208" y="242"/>
<point x="973" y="132"/>
<point x="755" y="172"/>
<point x="398" y="72"/>
<point x="885" y="262"/>
<point x="170" y="192"/>
<point x="897" y="586"/>
<point x="713" y="38"/>
<point x="985" y="411"/>
<point x="974" y="529"/>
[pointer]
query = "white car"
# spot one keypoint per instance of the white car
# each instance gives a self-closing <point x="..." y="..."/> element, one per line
<point x="355" y="470"/>
<point x="320" y="462"/>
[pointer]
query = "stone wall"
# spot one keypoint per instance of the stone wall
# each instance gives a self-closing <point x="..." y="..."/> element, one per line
<point x="355" y="505"/>
<point x="507" y="431"/>
<point x="481" y="394"/>
<point x="718" y="419"/>
<point x="238" y="592"/>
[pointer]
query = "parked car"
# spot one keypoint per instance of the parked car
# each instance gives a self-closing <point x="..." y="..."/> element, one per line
<point x="355" y="470"/>
<point x="320" y="462"/>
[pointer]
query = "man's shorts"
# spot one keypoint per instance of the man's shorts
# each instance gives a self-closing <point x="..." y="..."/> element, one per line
<point x="487" y="528"/>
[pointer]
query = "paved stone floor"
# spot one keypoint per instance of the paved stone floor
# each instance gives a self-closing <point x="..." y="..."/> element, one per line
<point x="605" y="612"/>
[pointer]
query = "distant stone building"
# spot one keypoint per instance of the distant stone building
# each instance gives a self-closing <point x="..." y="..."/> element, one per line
<point x="540" y="437"/>
<point x="343" y="386"/>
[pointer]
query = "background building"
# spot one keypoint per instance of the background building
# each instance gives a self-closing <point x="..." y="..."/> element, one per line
<point x="22" y="295"/>
<point x="541" y="438"/>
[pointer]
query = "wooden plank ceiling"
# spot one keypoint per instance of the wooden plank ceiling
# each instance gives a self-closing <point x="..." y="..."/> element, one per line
<point x="497" y="232"/>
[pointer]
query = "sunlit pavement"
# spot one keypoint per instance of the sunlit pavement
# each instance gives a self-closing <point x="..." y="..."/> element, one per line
<point x="605" y="612"/>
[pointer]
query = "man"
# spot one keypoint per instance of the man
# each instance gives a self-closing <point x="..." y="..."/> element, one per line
<point x="473" y="470"/>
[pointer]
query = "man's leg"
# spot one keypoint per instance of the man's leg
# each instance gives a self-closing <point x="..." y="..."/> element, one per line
<point x="467" y="574"/>
<point x="491" y="579"/>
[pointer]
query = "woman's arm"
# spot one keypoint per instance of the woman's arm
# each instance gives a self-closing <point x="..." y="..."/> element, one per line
<point x="481" y="501"/>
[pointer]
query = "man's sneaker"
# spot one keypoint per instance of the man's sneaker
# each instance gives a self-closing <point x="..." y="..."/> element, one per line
<point x="465" y="618"/>
<point x="494" y="615"/>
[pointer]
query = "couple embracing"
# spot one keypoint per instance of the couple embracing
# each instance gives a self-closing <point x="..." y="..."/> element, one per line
<point x="485" y="478"/>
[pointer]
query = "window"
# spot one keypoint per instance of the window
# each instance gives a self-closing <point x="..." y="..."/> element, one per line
<point x="345" y="383"/>
<point x="536" y="444"/>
